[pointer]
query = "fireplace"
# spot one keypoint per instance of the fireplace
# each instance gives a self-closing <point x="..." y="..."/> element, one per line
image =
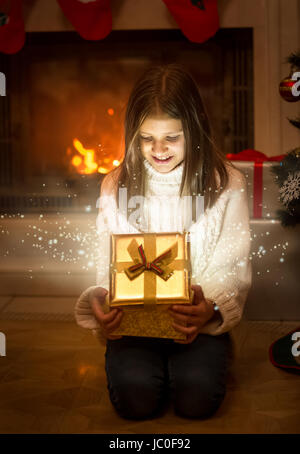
<point x="61" y="121"/>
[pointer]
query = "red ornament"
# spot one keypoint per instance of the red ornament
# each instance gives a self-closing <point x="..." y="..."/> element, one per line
<point x="286" y="89"/>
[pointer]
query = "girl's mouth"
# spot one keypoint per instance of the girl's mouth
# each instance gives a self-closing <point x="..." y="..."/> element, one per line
<point x="162" y="161"/>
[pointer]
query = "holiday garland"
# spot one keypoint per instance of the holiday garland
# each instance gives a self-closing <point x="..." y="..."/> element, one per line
<point x="92" y="19"/>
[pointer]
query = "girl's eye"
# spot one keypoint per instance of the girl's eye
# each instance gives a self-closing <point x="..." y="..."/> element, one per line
<point x="168" y="138"/>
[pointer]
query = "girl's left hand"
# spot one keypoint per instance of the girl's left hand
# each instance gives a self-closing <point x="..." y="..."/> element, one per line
<point x="194" y="316"/>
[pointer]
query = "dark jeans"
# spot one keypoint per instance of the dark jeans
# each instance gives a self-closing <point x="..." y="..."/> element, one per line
<point x="142" y="373"/>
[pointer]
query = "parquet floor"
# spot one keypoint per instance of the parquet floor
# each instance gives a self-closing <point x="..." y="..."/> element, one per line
<point x="53" y="381"/>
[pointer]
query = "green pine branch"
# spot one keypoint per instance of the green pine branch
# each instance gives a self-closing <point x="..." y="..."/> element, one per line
<point x="295" y="122"/>
<point x="294" y="60"/>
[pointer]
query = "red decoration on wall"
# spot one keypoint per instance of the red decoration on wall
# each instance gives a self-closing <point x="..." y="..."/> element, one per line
<point x="198" y="20"/>
<point x="12" y="33"/>
<point x="90" y="18"/>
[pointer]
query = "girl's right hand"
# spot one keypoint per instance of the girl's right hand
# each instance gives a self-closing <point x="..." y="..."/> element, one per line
<point x="108" y="321"/>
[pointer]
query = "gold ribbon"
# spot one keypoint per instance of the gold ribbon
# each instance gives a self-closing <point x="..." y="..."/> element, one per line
<point x="151" y="266"/>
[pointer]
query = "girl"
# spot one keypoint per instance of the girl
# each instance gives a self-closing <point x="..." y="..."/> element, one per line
<point x="169" y="154"/>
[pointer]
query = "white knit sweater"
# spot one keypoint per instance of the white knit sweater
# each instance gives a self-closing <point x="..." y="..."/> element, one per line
<point x="220" y="244"/>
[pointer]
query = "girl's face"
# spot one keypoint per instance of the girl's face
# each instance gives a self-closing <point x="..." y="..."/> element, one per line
<point x="162" y="142"/>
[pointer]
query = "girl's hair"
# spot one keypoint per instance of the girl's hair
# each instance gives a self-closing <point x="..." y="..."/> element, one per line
<point x="171" y="89"/>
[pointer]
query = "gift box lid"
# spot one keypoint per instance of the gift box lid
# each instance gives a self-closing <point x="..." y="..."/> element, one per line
<point x="150" y="268"/>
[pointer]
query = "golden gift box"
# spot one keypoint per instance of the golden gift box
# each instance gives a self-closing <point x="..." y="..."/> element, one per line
<point x="148" y="273"/>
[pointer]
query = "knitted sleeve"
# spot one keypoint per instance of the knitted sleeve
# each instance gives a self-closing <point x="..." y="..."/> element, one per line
<point x="83" y="313"/>
<point x="228" y="276"/>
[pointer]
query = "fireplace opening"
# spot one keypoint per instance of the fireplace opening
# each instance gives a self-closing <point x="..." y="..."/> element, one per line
<point x="61" y="124"/>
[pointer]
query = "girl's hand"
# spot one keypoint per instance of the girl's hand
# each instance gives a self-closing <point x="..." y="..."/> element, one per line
<point x="194" y="316"/>
<point x="110" y="321"/>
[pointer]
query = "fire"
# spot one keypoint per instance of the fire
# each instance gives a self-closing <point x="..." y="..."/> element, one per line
<point x="86" y="163"/>
<point x="76" y="161"/>
<point x="88" y="157"/>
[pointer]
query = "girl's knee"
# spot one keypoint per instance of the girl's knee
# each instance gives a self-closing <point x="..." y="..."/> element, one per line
<point x="199" y="400"/>
<point x="199" y="408"/>
<point x="136" y="399"/>
<point x="137" y="402"/>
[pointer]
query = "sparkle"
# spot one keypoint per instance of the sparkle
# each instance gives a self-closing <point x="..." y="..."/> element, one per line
<point x="65" y="241"/>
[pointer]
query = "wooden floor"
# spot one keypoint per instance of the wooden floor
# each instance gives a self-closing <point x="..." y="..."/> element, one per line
<point x="53" y="381"/>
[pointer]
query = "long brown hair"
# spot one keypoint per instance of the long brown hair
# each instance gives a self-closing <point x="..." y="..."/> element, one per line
<point x="172" y="90"/>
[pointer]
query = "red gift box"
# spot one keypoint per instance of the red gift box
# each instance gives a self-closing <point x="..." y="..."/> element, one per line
<point x="263" y="181"/>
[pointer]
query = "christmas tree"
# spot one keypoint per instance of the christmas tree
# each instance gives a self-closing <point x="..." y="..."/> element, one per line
<point x="287" y="172"/>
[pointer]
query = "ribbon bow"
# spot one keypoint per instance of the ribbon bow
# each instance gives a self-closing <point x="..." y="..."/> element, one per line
<point x="158" y="265"/>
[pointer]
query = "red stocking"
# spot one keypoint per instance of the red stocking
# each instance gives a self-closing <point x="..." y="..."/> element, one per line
<point x="12" y="33"/>
<point x="198" y="19"/>
<point x="90" y="18"/>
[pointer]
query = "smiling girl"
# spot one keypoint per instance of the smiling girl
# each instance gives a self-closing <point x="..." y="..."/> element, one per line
<point x="162" y="142"/>
<point x="169" y="154"/>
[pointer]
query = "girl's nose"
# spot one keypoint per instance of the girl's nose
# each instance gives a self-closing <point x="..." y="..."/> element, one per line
<point x="159" y="147"/>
